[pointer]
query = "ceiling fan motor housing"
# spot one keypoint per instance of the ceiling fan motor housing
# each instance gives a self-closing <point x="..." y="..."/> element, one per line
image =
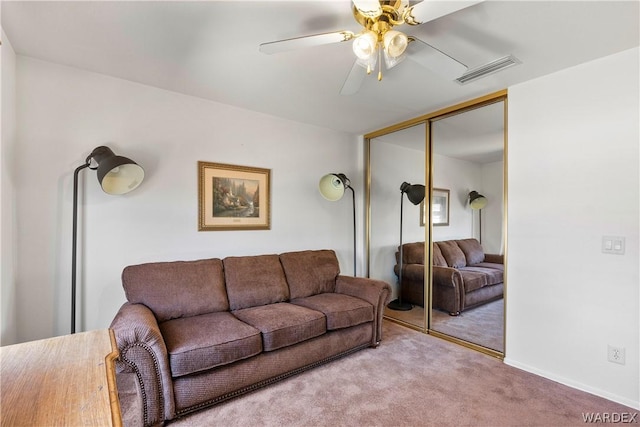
<point x="392" y="14"/>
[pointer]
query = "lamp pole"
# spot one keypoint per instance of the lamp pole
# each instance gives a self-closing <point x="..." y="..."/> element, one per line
<point x="353" y="199"/>
<point x="416" y="194"/>
<point x="332" y="187"/>
<point x="74" y="244"/>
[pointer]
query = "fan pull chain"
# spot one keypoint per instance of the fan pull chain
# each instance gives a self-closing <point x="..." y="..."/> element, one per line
<point x="380" y="63"/>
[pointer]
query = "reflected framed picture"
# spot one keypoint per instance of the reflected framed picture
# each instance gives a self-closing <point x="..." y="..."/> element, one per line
<point x="233" y="197"/>
<point x="439" y="208"/>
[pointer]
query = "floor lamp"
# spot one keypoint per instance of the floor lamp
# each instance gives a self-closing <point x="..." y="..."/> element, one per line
<point x="116" y="175"/>
<point x="477" y="202"/>
<point x="332" y="187"/>
<point x="415" y="194"/>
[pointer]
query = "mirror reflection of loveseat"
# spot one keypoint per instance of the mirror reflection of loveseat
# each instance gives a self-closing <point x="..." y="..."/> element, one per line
<point x="463" y="275"/>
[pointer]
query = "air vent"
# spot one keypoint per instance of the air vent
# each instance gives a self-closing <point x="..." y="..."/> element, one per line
<point x="489" y="68"/>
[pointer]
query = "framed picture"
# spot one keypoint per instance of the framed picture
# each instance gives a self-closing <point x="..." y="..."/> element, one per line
<point x="439" y="208"/>
<point x="233" y="197"/>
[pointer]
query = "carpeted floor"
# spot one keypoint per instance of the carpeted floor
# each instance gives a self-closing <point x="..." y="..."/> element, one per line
<point x="411" y="379"/>
<point x="483" y="325"/>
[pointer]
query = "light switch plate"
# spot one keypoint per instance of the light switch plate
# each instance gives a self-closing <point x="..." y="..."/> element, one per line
<point x="613" y="245"/>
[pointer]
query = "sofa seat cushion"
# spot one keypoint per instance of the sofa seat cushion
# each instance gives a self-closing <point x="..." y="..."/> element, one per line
<point x="203" y="342"/>
<point x="472" y="279"/>
<point x="489" y="265"/>
<point x="493" y="275"/>
<point x="283" y="324"/>
<point x="341" y="311"/>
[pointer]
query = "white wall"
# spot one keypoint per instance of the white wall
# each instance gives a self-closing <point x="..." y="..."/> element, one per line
<point x="391" y="165"/>
<point x="7" y="196"/>
<point x="493" y="213"/>
<point x="63" y="113"/>
<point x="459" y="177"/>
<point x="573" y="164"/>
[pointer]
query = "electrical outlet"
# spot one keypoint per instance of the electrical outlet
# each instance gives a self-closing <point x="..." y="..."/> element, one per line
<point x="616" y="354"/>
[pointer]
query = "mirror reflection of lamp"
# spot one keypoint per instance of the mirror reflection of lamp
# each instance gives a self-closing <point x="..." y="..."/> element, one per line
<point x="332" y="187"/>
<point x="477" y="201"/>
<point x="415" y="193"/>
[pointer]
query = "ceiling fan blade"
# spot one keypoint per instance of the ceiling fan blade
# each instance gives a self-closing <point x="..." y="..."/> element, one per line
<point x="354" y="80"/>
<point x="368" y="8"/>
<point x="305" y="41"/>
<point x="434" y="59"/>
<point x="426" y="11"/>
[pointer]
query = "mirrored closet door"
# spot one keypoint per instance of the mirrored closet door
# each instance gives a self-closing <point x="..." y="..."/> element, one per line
<point x="455" y="229"/>
<point x="468" y="224"/>
<point x="397" y="159"/>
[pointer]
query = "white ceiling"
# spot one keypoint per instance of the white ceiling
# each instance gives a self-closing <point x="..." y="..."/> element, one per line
<point x="209" y="49"/>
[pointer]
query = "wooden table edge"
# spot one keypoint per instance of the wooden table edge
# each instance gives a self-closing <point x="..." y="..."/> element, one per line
<point x="110" y="363"/>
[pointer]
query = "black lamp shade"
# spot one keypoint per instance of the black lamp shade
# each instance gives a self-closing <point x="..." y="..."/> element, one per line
<point x="116" y="174"/>
<point x="415" y="193"/>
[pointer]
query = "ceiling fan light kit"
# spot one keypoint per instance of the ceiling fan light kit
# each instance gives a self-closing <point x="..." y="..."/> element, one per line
<point x="379" y="39"/>
<point x="365" y="44"/>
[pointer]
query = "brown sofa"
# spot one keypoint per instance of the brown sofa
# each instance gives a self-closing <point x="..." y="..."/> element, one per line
<point x="195" y="333"/>
<point x="463" y="275"/>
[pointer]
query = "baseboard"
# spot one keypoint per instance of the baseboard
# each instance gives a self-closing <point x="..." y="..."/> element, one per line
<point x="574" y="384"/>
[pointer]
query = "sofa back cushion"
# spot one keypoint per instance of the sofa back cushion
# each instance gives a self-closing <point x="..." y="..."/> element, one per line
<point x="310" y="272"/>
<point x="177" y="289"/>
<point x="254" y="280"/>
<point x="452" y="254"/>
<point x="438" y="259"/>
<point x="472" y="250"/>
<point x="412" y="253"/>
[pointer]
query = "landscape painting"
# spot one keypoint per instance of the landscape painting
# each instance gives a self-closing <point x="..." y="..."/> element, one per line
<point x="233" y="197"/>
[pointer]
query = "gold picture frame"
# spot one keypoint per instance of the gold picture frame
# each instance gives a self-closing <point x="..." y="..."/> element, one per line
<point x="233" y="197"/>
<point x="439" y="208"/>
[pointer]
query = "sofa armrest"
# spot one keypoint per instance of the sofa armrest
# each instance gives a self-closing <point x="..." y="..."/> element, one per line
<point x="447" y="289"/>
<point x="375" y="292"/>
<point x="143" y="352"/>
<point x="494" y="258"/>
<point x="446" y="277"/>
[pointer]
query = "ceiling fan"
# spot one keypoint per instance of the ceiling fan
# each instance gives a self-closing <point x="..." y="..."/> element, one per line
<point x="379" y="40"/>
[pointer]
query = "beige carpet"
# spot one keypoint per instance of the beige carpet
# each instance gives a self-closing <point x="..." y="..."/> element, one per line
<point x="483" y="325"/>
<point x="411" y="379"/>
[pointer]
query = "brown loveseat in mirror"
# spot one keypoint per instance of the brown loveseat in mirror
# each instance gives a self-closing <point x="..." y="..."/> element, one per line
<point x="463" y="275"/>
